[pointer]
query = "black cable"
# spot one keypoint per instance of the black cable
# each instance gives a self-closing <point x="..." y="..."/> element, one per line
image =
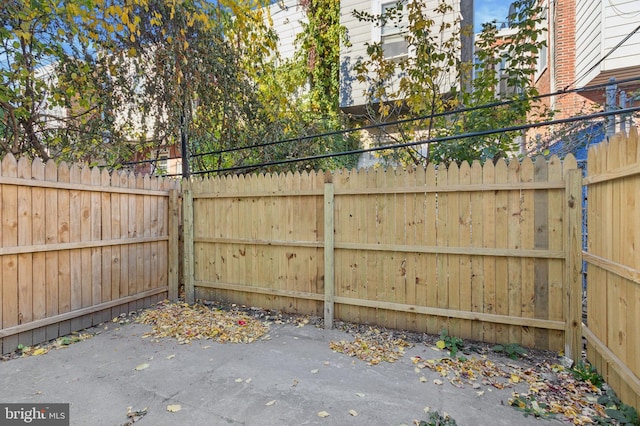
<point x="628" y="36"/>
<point x="403" y="121"/>
<point x="408" y="120"/>
<point x="434" y="140"/>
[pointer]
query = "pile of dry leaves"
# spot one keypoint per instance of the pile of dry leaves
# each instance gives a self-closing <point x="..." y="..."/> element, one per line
<point x="186" y="323"/>
<point x="372" y="346"/>
<point x="552" y="389"/>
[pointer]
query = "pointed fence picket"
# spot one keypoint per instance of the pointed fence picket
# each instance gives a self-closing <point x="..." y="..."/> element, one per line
<point x="79" y="246"/>
<point x="476" y="250"/>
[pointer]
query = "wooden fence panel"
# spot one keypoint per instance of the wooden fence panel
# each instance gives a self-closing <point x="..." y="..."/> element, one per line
<point x="65" y="234"/>
<point x="478" y="251"/>
<point x="613" y="290"/>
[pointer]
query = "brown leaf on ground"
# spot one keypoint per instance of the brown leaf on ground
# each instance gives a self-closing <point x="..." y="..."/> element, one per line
<point x="187" y="323"/>
<point x="372" y="346"/>
<point x="552" y="390"/>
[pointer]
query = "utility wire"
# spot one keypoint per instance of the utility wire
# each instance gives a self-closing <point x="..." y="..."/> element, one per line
<point x="421" y="142"/>
<point x="392" y="123"/>
<point x="627" y="37"/>
<point x="408" y="120"/>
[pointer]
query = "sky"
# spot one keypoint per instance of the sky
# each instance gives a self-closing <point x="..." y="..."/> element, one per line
<point x="488" y="10"/>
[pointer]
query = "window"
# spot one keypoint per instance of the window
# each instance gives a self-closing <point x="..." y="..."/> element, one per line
<point x="541" y="64"/>
<point x="393" y="29"/>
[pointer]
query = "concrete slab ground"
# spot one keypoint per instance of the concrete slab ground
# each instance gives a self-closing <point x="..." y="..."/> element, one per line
<point x="222" y="384"/>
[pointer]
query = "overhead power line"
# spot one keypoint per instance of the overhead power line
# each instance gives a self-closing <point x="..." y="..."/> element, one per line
<point x="425" y="141"/>
<point x="584" y="74"/>
<point x="397" y="122"/>
<point x="412" y="119"/>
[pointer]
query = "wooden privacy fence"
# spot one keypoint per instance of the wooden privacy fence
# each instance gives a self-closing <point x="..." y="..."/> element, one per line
<point x="79" y="246"/>
<point x="486" y="252"/>
<point x="613" y="264"/>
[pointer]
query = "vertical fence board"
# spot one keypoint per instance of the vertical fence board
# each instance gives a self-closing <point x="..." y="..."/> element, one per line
<point x="442" y="236"/>
<point x="116" y="254"/>
<point x="541" y="241"/>
<point x="489" y="228"/>
<point x="52" y="272"/>
<point x="465" y="278"/>
<point x="431" y="225"/>
<point x="412" y="226"/>
<point x="96" y="252"/>
<point x="172" y="250"/>
<point x="188" y="234"/>
<point x="421" y="259"/>
<point x="38" y="237"/>
<point x="25" y="260"/>
<point x="135" y="280"/>
<point x="478" y="228"/>
<point x="514" y="298"/>
<point x="139" y="226"/>
<point x="86" y="281"/>
<point x="501" y="240"/>
<point x="9" y="262"/>
<point x="557" y="228"/>
<point x="106" y="256"/>
<point x="528" y="214"/>
<point x="453" y="240"/>
<point x="147" y="254"/>
<point x="123" y="181"/>
<point x="329" y="265"/>
<point x="64" y="257"/>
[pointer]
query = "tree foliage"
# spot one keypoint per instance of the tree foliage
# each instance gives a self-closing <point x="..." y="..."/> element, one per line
<point x="432" y="81"/>
<point x="108" y="80"/>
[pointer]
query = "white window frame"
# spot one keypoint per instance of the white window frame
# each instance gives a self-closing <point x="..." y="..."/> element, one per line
<point x="542" y="61"/>
<point x="376" y="29"/>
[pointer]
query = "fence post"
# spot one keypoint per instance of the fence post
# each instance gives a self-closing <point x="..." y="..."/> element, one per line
<point x="187" y="211"/>
<point x="573" y="265"/>
<point x="610" y="105"/>
<point x="328" y="255"/>
<point x="174" y="261"/>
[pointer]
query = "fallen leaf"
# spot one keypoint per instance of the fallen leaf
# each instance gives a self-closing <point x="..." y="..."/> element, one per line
<point x="437" y="382"/>
<point x="423" y="379"/>
<point x="361" y="395"/>
<point x="314" y="371"/>
<point x="353" y="413"/>
<point x="239" y="380"/>
<point x="39" y="351"/>
<point x="141" y="366"/>
<point x="295" y="383"/>
<point x="270" y="403"/>
<point x="174" y="408"/>
<point x="323" y="414"/>
<point x="171" y="356"/>
<point x="440" y="344"/>
<point x="136" y="415"/>
<point x="427" y="409"/>
<point x="248" y="380"/>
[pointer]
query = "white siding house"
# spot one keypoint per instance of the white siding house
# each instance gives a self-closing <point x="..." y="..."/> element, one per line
<point x="360" y="32"/>
<point x="287" y="17"/>
<point x="600" y="27"/>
